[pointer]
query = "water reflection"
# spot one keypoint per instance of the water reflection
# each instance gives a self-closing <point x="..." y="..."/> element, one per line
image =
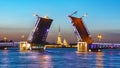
<point x="59" y="58"/>
<point x="46" y="61"/>
<point x="87" y="59"/>
<point x="84" y="59"/>
<point x="111" y="59"/>
<point x="99" y="59"/>
<point x="5" y="59"/>
<point x="5" y="51"/>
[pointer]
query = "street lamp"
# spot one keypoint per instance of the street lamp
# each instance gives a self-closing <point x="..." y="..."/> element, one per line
<point x="99" y="37"/>
<point x="5" y="39"/>
<point x="22" y="37"/>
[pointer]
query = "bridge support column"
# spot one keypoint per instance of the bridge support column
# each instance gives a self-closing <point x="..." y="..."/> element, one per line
<point x="24" y="46"/>
<point x="82" y="47"/>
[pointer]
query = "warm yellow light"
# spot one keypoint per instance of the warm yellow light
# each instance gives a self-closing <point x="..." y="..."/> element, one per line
<point x="89" y="50"/>
<point x="5" y="38"/>
<point x="22" y="36"/>
<point x="99" y="36"/>
<point x="82" y="47"/>
<point x="24" y="45"/>
<point x="46" y="17"/>
<point x="28" y="46"/>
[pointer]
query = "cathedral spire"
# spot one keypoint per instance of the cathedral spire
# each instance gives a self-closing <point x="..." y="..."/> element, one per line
<point x="59" y="40"/>
<point x="59" y="28"/>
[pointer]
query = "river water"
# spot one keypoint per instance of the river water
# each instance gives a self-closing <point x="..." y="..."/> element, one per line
<point x="59" y="58"/>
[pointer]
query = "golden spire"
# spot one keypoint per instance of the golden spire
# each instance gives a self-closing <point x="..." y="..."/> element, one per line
<point x="59" y="40"/>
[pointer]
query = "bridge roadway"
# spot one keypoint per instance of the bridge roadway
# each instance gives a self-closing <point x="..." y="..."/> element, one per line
<point x="105" y="46"/>
<point x="9" y="45"/>
<point x="92" y="46"/>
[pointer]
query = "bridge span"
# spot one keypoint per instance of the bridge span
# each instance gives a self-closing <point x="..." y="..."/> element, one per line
<point x="104" y="46"/>
<point x="6" y="45"/>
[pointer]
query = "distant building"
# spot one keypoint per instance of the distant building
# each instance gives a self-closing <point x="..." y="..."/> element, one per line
<point x="61" y="43"/>
<point x="59" y="39"/>
<point x="65" y="43"/>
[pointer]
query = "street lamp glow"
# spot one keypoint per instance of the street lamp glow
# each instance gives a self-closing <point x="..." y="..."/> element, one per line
<point x="22" y="36"/>
<point x="5" y="38"/>
<point x="99" y="37"/>
<point x="46" y="17"/>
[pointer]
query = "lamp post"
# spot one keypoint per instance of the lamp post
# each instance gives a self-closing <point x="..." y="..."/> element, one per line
<point x="5" y="39"/>
<point x="22" y="37"/>
<point x="99" y="37"/>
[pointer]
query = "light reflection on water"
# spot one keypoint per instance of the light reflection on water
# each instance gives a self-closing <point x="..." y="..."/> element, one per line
<point x="59" y="58"/>
<point x="99" y="59"/>
<point x="46" y="61"/>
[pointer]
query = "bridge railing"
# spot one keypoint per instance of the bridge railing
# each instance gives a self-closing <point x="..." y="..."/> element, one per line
<point x="9" y="44"/>
<point x="104" y="45"/>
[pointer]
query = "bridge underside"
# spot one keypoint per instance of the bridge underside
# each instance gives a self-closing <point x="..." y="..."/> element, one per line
<point x="40" y="32"/>
<point x="81" y="29"/>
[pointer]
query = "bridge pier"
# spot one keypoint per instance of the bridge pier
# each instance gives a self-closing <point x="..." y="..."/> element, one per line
<point x="82" y="47"/>
<point x="24" y="46"/>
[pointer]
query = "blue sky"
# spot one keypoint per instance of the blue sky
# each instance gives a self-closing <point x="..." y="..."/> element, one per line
<point x="16" y="17"/>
